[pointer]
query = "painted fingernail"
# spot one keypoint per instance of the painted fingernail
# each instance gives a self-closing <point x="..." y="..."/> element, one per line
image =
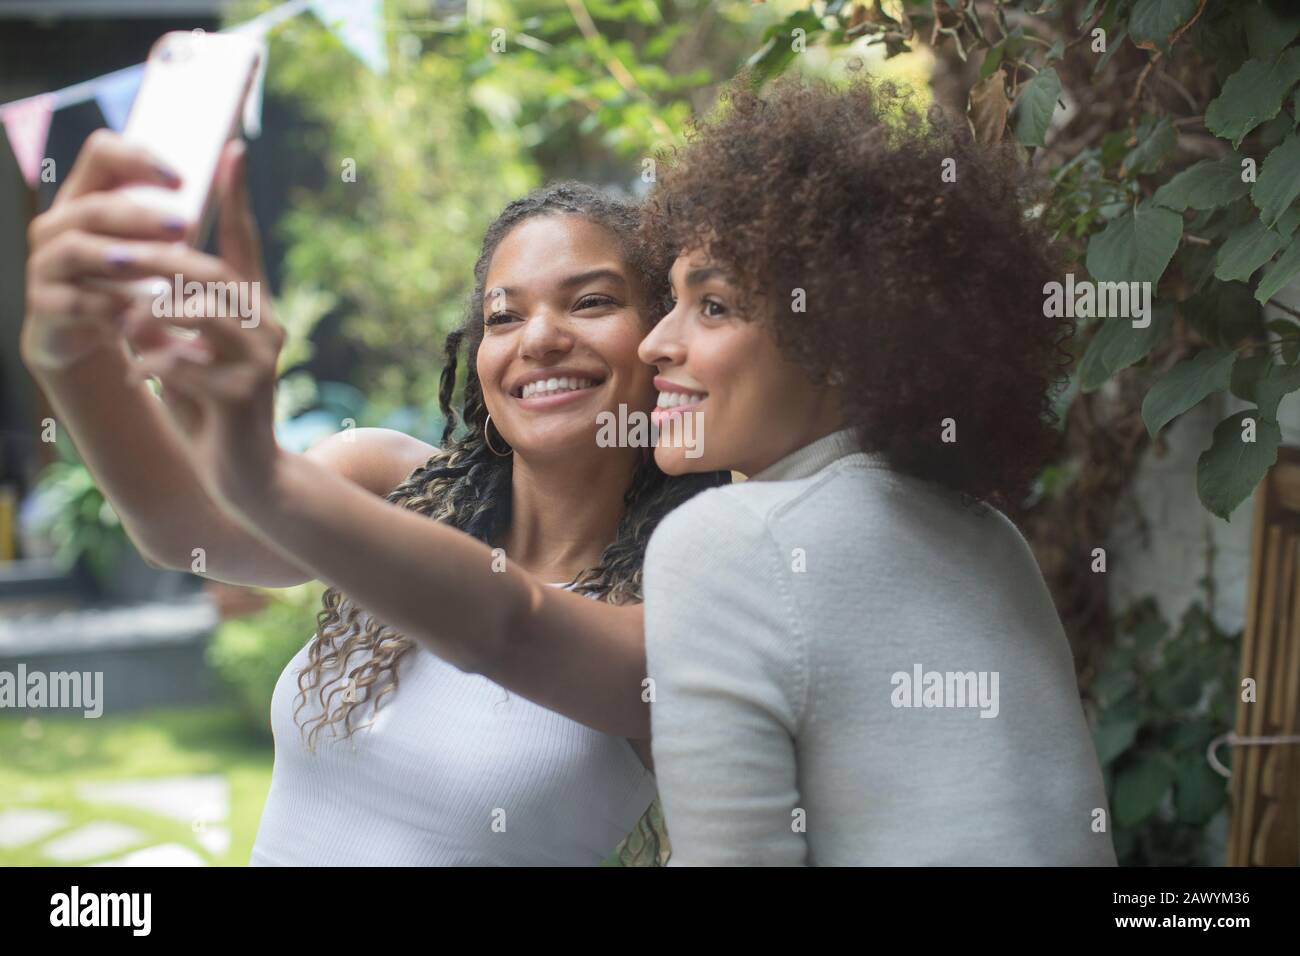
<point x="119" y="256"/>
<point x="167" y="173"/>
<point x="175" y="225"/>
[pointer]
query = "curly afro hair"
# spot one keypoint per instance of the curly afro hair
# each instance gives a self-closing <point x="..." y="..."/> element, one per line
<point x="922" y="298"/>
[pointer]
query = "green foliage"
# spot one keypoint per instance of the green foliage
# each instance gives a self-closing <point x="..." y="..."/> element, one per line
<point x="1245" y="250"/>
<point x="473" y="113"/>
<point x="1228" y="471"/>
<point x="1135" y="247"/>
<point x="249" y="653"/>
<point x="1154" y="22"/>
<point x="1161" y="696"/>
<point x="1214" y="236"/>
<point x="1282" y="272"/>
<point x="1035" y="107"/>
<point x="76" y="516"/>
<point x="1208" y="184"/>
<point x="408" y="168"/>
<point x="1185" y="386"/>
<point x="1252" y="95"/>
<point x="395" y="244"/>
<point x="1117" y="345"/>
<point x="50" y="759"/>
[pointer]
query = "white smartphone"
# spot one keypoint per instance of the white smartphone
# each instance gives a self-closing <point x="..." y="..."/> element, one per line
<point x="188" y="107"/>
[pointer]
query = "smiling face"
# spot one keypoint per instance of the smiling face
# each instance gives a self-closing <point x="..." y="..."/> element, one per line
<point x="562" y="316"/>
<point x="754" y="406"/>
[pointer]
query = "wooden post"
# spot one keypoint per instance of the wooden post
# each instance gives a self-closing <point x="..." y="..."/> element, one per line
<point x="1265" y="825"/>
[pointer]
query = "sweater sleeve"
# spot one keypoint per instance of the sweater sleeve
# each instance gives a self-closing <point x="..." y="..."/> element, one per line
<point x="728" y="665"/>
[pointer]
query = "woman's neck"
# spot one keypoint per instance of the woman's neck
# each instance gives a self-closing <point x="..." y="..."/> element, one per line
<point x="565" y="513"/>
<point x="820" y="417"/>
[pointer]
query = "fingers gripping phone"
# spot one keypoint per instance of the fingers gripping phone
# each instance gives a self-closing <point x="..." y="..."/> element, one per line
<point x="187" y="108"/>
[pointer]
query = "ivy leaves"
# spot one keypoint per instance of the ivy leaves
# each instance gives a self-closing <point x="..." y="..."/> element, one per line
<point x="1136" y="246"/>
<point x="1117" y="345"/>
<point x="1161" y="695"/>
<point x="1209" y="184"/>
<point x="1153" y="22"/>
<point x="1140" y="789"/>
<point x="1215" y="237"/>
<point x="1035" y="106"/>
<point x="1279" y="181"/>
<point x="1283" y="271"/>
<point x="1244" y="447"/>
<point x="1186" y="385"/>
<point x="1269" y="31"/>
<point x="1245" y="252"/>
<point x="1252" y="96"/>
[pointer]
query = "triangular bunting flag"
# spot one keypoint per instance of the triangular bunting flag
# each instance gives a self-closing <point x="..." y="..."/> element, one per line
<point x="116" y="92"/>
<point x="27" y="124"/>
<point x="359" y="24"/>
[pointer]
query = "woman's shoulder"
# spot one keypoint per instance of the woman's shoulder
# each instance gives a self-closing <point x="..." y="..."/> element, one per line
<point x="753" y="508"/>
<point x="719" y="522"/>
<point x="377" y="459"/>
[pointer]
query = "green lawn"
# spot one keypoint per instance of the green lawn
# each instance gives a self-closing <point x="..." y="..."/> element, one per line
<point x="43" y="761"/>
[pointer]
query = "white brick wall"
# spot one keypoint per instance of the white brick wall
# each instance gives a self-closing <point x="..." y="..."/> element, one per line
<point x="1172" y="558"/>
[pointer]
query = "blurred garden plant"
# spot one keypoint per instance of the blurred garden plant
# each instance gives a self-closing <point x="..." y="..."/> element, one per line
<point x="249" y="653"/>
<point x="1161" y="696"/>
<point x="481" y="102"/>
<point x="71" y="511"/>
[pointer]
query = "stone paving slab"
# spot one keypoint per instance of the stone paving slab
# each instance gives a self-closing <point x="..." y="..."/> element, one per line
<point x="92" y="840"/>
<point x="194" y="799"/>
<point x="165" y="854"/>
<point x="25" y="825"/>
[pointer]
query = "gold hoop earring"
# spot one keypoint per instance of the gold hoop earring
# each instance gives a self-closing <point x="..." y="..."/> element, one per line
<point x="487" y="438"/>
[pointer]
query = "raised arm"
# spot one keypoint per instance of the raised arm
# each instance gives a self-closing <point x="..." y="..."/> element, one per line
<point x="579" y="657"/>
<point x="73" y="346"/>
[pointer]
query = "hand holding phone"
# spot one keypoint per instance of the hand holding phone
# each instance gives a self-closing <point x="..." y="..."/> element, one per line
<point x="122" y="203"/>
<point x="188" y="107"/>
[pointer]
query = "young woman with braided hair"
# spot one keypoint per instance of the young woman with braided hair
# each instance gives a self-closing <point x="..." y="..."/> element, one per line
<point x="469" y="484"/>
<point x="450" y="768"/>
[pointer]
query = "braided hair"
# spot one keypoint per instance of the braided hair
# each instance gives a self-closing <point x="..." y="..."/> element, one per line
<point x="468" y="486"/>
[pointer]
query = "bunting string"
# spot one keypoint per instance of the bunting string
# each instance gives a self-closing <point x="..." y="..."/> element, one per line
<point x="358" y="25"/>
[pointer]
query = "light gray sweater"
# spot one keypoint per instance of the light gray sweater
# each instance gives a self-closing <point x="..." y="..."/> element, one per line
<point x="851" y="667"/>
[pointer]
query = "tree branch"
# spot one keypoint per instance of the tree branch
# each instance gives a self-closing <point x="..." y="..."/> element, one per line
<point x="617" y="70"/>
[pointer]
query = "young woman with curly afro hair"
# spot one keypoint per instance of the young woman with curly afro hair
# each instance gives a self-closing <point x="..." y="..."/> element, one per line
<point x="854" y="654"/>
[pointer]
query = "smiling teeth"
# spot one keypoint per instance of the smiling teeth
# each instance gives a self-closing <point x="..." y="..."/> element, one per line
<point x="670" y="399"/>
<point x="553" y="386"/>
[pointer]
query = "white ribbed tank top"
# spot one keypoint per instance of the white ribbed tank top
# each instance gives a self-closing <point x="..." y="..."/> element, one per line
<point x="454" y="770"/>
